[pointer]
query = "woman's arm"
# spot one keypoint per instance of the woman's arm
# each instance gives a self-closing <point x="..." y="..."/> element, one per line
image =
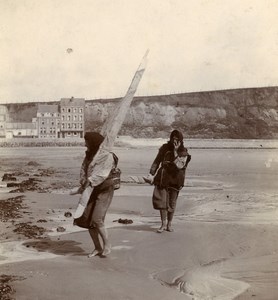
<point x="157" y="161"/>
<point x="100" y="168"/>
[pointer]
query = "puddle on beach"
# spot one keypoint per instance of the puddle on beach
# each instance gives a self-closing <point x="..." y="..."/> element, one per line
<point x="11" y="252"/>
<point x="202" y="282"/>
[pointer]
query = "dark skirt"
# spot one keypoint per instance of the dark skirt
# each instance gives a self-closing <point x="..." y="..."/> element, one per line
<point x="96" y="209"/>
<point x="165" y="198"/>
<point x="159" y="197"/>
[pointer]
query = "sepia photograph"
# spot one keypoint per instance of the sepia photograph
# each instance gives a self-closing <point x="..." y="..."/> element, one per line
<point x="138" y="150"/>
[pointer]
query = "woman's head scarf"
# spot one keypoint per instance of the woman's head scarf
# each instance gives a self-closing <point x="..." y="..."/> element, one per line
<point x="93" y="140"/>
<point x="176" y="134"/>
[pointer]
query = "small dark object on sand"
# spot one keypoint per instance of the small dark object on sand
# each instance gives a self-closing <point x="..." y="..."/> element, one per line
<point x="33" y="163"/>
<point x="41" y="221"/>
<point x="68" y="214"/>
<point x="61" y="229"/>
<point x="124" y="221"/>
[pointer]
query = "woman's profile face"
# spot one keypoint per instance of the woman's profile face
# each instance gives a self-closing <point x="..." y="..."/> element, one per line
<point x="174" y="140"/>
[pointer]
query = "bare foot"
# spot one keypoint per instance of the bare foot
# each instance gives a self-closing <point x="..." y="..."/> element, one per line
<point x="106" y="251"/>
<point x="161" y="229"/>
<point x="94" y="253"/>
<point x="170" y="229"/>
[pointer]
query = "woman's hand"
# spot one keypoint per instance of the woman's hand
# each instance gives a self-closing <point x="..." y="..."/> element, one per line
<point x="149" y="178"/>
<point x="177" y="144"/>
<point x="86" y="184"/>
<point x="76" y="191"/>
<point x="82" y="181"/>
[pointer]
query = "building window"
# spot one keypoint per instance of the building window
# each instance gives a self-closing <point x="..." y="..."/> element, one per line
<point x="68" y="110"/>
<point x="81" y="126"/>
<point x="75" y="117"/>
<point x="63" y="125"/>
<point x="68" y="118"/>
<point x="74" y="110"/>
<point x="63" y="110"/>
<point x="68" y="125"/>
<point x="63" y="118"/>
<point x="80" y="118"/>
<point x="81" y="110"/>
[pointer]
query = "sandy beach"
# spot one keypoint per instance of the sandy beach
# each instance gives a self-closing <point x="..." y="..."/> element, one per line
<point x="224" y="244"/>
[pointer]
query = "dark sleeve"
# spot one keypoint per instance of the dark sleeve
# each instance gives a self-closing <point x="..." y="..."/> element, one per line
<point x="157" y="161"/>
<point x="188" y="159"/>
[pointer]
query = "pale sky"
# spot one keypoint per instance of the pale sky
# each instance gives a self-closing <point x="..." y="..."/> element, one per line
<point x="52" y="49"/>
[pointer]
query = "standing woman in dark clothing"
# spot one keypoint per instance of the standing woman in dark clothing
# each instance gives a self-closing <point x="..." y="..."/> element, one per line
<point x="167" y="173"/>
<point x="96" y="178"/>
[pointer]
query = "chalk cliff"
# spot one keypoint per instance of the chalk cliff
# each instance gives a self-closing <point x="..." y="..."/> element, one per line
<point x="240" y="113"/>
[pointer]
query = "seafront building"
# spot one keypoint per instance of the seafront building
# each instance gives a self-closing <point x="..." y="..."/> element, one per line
<point x="72" y="117"/>
<point x="48" y="121"/>
<point x="52" y="121"/>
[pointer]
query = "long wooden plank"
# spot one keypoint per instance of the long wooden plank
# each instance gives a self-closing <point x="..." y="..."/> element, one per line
<point x="112" y="127"/>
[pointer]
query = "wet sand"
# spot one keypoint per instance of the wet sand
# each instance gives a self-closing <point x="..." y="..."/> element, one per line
<point x="224" y="244"/>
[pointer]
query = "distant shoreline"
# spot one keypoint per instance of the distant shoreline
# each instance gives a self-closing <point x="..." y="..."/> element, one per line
<point x="127" y="141"/>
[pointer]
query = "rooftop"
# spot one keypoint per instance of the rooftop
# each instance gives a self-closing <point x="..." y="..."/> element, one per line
<point x="48" y="108"/>
<point x="72" y="101"/>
